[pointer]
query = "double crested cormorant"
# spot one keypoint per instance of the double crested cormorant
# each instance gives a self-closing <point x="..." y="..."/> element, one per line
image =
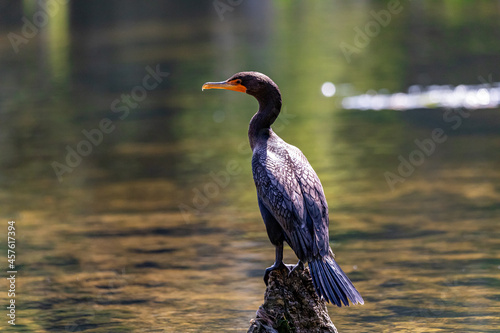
<point x="290" y="195"/>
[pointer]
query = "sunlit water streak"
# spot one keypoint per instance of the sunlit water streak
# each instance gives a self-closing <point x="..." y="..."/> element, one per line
<point x="470" y="97"/>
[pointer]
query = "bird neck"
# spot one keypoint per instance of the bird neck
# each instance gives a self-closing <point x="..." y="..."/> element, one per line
<point x="260" y="125"/>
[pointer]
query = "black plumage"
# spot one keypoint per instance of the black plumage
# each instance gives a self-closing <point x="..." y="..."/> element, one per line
<point x="290" y="194"/>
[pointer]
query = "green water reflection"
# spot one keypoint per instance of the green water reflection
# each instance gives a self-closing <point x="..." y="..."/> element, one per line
<point x="158" y="230"/>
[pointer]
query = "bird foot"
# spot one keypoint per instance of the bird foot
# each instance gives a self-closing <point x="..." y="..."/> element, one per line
<point x="276" y="265"/>
<point x="291" y="268"/>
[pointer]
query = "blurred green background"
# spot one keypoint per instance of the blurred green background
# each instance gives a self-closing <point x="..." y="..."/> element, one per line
<point x="132" y="192"/>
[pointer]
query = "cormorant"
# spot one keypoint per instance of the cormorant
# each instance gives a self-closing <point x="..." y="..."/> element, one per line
<point x="290" y="195"/>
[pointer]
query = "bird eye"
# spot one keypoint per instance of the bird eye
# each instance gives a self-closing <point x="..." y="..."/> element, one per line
<point x="238" y="81"/>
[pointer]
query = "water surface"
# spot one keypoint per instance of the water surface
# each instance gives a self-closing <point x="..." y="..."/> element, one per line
<point x="157" y="229"/>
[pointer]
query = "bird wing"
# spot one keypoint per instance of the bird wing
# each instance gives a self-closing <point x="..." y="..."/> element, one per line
<point x="314" y="199"/>
<point x="290" y="189"/>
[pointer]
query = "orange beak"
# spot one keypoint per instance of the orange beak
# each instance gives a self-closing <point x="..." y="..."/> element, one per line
<point x="228" y="85"/>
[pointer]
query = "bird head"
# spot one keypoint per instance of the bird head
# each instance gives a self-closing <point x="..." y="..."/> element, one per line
<point x="252" y="83"/>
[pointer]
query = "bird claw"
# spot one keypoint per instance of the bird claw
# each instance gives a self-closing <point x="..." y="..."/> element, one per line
<point x="291" y="268"/>
<point x="272" y="268"/>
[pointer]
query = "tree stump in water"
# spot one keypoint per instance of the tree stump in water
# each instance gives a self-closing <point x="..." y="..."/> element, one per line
<point x="291" y="305"/>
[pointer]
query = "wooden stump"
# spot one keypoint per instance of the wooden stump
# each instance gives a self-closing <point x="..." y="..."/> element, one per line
<point x="291" y="305"/>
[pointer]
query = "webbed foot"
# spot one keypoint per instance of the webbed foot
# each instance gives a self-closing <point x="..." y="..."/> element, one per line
<point x="291" y="268"/>
<point x="276" y="265"/>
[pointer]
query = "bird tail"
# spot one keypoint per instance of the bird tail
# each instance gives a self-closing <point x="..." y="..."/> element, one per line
<point x="332" y="283"/>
